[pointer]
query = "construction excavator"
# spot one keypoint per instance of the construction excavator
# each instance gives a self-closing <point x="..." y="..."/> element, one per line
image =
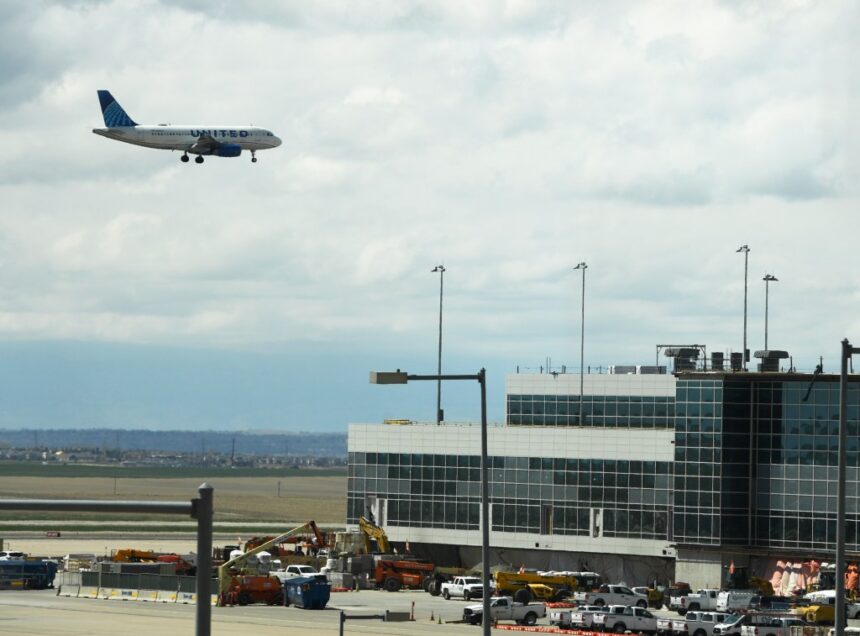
<point x="372" y="532"/>
<point x="230" y="582"/>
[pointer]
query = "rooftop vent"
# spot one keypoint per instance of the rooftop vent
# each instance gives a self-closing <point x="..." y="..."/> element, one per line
<point x="685" y="357"/>
<point x="770" y="360"/>
<point x="717" y="360"/>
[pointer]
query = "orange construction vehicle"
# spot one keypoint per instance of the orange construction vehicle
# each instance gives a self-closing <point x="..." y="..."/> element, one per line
<point x="183" y="567"/>
<point x="393" y="575"/>
<point x="246" y="589"/>
<point x="130" y="555"/>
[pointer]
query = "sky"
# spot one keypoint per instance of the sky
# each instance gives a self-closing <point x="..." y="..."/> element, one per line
<point x="507" y="140"/>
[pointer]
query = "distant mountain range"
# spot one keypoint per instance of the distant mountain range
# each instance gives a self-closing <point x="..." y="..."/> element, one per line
<point x="197" y="442"/>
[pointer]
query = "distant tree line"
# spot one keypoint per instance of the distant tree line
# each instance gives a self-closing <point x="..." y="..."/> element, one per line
<point x="299" y="444"/>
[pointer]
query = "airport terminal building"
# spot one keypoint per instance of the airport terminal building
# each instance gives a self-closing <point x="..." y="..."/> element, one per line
<point x="664" y="476"/>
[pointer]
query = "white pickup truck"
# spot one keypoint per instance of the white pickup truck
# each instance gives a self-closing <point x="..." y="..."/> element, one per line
<point x="701" y="600"/>
<point x="612" y="595"/>
<point x="701" y="623"/>
<point x="503" y="608"/>
<point x="620" y="618"/>
<point x="464" y="587"/>
<point x="764" y="625"/>
<point x="292" y="571"/>
<point x="581" y="616"/>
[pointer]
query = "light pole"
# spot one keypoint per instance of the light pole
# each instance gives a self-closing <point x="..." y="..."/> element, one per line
<point x="583" y="267"/>
<point x="746" y="251"/>
<point x="768" y="279"/>
<point x="439" y="418"/>
<point x="839" y="619"/>
<point x="401" y="377"/>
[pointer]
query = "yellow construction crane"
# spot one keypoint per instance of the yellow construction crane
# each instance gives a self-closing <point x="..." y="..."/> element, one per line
<point x="373" y="531"/>
<point x="224" y="577"/>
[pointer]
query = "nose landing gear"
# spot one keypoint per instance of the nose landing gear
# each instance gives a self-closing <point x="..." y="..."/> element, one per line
<point x="253" y="157"/>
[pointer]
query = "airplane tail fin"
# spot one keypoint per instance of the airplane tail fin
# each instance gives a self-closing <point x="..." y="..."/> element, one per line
<point x="113" y="113"/>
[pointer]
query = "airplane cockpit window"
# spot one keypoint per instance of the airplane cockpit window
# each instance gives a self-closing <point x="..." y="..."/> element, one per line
<point x="268" y="134"/>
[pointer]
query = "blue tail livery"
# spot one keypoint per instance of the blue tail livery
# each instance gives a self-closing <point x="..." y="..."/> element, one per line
<point x="113" y="113"/>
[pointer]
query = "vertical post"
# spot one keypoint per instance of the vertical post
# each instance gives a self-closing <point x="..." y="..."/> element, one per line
<point x="204" y="560"/>
<point x="583" y="267"/>
<point x="485" y="507"/>
<point x="439" y="365"/>
<point x="746" y="250"/>
<point x="839" y="619"/>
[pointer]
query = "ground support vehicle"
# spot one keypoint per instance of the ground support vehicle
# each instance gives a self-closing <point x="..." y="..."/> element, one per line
<point x="815" y="604"/>
<point x="246" y="589"/>
<point x="701" y="623"/>
<point x="466" y="587"/>
<point x="24" y="574"/>
<point x="612" y="595"/>
<point x="771" y="625"/>
<point x="503" y="608"/>
<point x="621" y="618"/>
<point x="700" y="600"/>
<point x="391" y="576"/>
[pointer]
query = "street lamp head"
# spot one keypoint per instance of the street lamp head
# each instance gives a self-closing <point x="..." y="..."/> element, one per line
<point x="770" y="277"/>
<point x="743" y="248"/>
<point x="581" y="265"/>
<point x="438" y="268"/>
<point x="388" y="377"/>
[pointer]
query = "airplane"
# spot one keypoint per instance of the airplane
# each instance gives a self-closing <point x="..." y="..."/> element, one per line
<point x="220" y="141"/>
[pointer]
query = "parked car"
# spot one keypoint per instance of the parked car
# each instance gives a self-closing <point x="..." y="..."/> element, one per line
<point x="504" y="608"/>
<point x="702" y="623"/>
<point x="732" y="625"/>
<point x="769" y="625"/>
<point x="636" y="619"/>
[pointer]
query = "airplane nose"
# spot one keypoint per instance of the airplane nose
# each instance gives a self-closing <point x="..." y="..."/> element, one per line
<point x="277" y="141"/>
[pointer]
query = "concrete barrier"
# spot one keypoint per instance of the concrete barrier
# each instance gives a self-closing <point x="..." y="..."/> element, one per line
<point x="88" y="591"/>
<point x="69" y="590"/>
<point x="214" y="600"/>
<point x="149" y="596"/>
<point x="106" y="592"/>
<point x="128" y="595"/>
<point x="187" y="598"/>
<point x="166" y="597"/>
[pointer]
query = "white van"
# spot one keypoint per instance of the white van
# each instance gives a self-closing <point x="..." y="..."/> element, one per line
<point x="734" y="600"/>
<point x="11" y="555"/>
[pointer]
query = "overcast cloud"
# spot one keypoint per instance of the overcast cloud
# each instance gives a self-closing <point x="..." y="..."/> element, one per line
<point x="507" y="140"/>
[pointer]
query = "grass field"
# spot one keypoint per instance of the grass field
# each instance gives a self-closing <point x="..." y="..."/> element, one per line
<point x="240" y="496"/>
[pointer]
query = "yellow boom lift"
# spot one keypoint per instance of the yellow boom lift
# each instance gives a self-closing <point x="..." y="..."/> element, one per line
<point x="224" y="576"/>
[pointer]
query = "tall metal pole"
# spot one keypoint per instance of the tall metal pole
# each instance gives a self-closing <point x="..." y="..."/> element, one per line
<point x="746" y="250"/>
<point x="204" y="559"/>
<point x="767" y="278"/>
<point x="441" y="270"/>
<point x="839" y="619"/>
<point x="583" y="267"/>
<point x="485" y="507"/>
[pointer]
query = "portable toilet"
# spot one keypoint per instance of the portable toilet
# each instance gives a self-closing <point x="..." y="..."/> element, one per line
<point x="307" y="592"/>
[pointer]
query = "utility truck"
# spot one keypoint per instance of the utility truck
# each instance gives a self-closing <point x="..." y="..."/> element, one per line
<point x="701" y="623"/>
<point x="581" y="616"/>
<point x="612" y="595"/>
<point x="503" y="608"/>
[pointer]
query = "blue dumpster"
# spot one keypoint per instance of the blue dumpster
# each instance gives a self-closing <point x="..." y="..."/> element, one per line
<point x="307" y="592"/>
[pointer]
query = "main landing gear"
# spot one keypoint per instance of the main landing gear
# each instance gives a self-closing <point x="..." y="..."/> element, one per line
<point x="184" y="158"/>
<point x="253" y="158"/>
<point x="198" y="159"/>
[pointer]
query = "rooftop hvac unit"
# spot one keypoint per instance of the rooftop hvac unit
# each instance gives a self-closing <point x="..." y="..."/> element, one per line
<point x="737" y="361"/>
<point x="770" y="360"/>
<point x="622" y="369"/>
<point x="652" y="369"/>
<point x="716" y="360"/>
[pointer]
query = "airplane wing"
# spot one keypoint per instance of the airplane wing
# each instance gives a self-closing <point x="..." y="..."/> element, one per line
<point x="206" y="145"/>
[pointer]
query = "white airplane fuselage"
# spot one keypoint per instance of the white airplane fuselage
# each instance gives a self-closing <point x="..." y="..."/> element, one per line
<point x="184" y="137"/>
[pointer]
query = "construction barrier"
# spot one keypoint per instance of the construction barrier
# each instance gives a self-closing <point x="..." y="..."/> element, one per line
<point x="149" y="596"/>
<point x="128" y="595"/>
<point x="546" y="630"/>
<point x="166" y="597"/>
<point x="88" y="591"/>
<point x="69" y="590"/>
<point x="187" y="598"/>
<point x="106" y="593"/>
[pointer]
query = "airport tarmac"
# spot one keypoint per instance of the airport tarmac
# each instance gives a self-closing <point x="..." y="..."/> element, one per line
<point x="43" y="612"/>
